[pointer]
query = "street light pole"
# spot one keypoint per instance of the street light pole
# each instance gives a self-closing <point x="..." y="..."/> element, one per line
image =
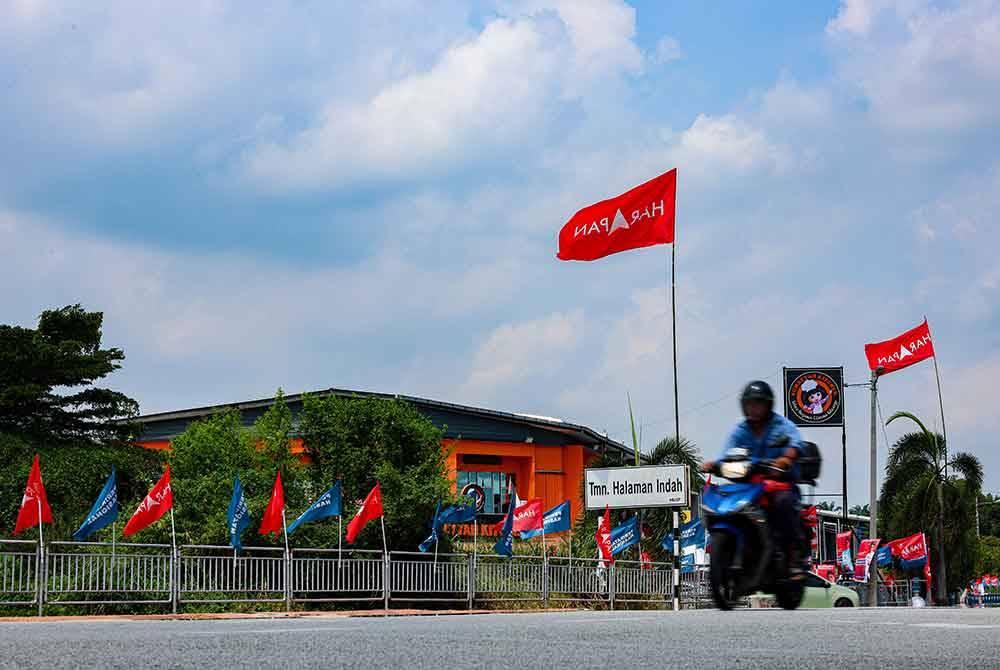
<point x="872" y="487"/>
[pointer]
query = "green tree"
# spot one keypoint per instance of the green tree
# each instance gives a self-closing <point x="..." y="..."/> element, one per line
<point x="988" y="558"/>
<point x="918" y="496"/>
<point x="989" y="514"/>
<point x="828" y="506"/>
<point x="367" y="440"/>
<point x="73" y="475"/>
<point x="212" y="452"/>
<point x="46" y="381"/>
<point x="859" y="510"/>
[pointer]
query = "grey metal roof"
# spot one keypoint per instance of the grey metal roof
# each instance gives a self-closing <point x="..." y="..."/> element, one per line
<point x="457" y="421"/>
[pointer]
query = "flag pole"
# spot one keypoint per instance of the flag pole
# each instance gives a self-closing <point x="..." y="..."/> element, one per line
<point x="673" y="314"/>
<point x="38" y="499"/>
<point x="340" y="534"/>
<point x="385" y="546"/>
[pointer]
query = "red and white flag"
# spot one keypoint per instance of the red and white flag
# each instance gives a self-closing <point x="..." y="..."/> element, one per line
<point x="603" y="536"/>
<point x="640" y="217"/>
<point x="33" y="499"/>
<point x="903" y="351"/>
<point x="371" y="509"/>
<point x="529" y="515"/>
<point x="157" y="502"/>
<point x="272" y="520"/>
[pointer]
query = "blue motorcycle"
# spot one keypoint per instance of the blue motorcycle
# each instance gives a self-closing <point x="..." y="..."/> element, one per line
<point x="744" y="556"/>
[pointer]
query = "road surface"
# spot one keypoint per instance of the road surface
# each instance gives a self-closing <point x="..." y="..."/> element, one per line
<point x="837" y="638"/>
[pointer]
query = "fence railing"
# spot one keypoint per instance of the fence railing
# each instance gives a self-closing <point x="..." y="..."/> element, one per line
<point x="100" y="573"/>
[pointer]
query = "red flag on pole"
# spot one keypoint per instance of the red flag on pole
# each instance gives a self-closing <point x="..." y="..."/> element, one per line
<point x="903" y="351"/>
<point x="529" y="516"/>
<point x="640" y="217"/>
<point x="157" y="502"/>
<point x="371" y="509"/>
<point x="603" y="536"/>
<point x="34" y="497"/>
<point x="271" y="521"/>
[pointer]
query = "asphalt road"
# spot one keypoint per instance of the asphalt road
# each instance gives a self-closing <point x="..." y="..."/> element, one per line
<point x="837" y="638"/>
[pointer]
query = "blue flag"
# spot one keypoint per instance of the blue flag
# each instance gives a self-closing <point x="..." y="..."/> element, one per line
<point x="104" y="511"/>
<point x="687" y="563"/>
<point x="625" y="536"/>
<point x="556" y="520"/>
<point x="238" y="515"/>
<point x="426" y="545"/>
<point x="458" y="514"/>
<point x="327" y="505"/>
<point x="883" y="557"/>
<point x="505" y="545"/>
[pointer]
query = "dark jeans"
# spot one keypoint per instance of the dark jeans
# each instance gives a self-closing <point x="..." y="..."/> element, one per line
<point x="783" y="515"/>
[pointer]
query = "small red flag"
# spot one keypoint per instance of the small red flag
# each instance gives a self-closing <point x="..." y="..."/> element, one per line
<point x="371" y="509"/>
<point x="271" y="522"/>
<point x="911" y="347"/>
<point x="157" y="502"/>
<point x="34" y="496"/>
<point x="640" y="217"/>
<point x="529" y="516"/>
<point x="645" y="561"/>
<point x="603" y="535"/>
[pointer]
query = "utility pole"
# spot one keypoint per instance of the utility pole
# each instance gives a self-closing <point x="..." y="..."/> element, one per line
<point x="873" y="487"/>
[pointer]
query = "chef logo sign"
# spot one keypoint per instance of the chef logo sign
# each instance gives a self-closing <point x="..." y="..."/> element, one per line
<point x="814" y="396"/>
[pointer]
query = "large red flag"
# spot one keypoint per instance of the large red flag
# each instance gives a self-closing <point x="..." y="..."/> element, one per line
<point x="157" y="502"/>
<point x="640" y="217"/>
<point x="371" y="509"/>
<point x="34" y="494"/>
<point x="271" y="522"/>
<point x="603" y="536"/>
<point x="911" y="347"/>
<point x="529" y="515"/>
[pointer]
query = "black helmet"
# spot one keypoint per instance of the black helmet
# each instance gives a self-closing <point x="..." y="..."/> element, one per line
<point x="758" y="390"/>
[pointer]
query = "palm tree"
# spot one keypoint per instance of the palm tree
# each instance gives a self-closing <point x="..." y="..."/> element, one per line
<point x="671" y="452"/>
<point x="915" y="489"/>
<point x="828" y="506"/>
<point x="859" y="510"/>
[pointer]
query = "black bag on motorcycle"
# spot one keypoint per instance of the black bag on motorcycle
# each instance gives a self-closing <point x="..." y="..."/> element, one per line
<point x="810" y="462"/>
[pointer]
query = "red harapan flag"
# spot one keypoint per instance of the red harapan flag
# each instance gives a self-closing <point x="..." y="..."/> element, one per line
<point x="640" y="217"/>
<point x="156" y="503"/>
<point x="529" y="515"/>
<point x="271" y="522"/>
<point x="911" y="347"/>
<point x="371" y="509"/>
<point x="33" y="501"/>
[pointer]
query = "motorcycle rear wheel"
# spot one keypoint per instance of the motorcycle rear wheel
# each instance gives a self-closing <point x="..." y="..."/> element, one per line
<point x="789" y="595"/>
<point x="723" y="551"/>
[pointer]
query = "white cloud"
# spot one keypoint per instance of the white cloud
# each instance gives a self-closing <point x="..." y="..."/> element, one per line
<point x="668" y="49"/>
<point x="515" y="352"/>
<point x="921" y="66"/>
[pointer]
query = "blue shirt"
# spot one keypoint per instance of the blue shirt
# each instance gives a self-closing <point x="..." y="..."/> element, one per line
<point x="777" y="427"/>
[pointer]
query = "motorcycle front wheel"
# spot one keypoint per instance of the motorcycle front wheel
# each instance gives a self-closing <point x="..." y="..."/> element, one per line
<point x="722" y="580"/>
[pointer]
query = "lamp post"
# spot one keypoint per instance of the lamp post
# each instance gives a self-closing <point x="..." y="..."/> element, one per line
<point x="872" y="486"/>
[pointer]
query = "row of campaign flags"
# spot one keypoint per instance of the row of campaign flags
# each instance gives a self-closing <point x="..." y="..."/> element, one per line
<point x="35" y="509"/>
<point x="911" y="552"/>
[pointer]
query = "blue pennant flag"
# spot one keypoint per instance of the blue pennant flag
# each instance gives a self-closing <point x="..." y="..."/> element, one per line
<point x="625" y="536"/>
<point x="687" y="563"/>
<point x="883" y="557"/>
<point x="327" y="505"/>
<point x="104" y="511"/>
<point x="556" y="520"/>
<point x="426" y="545"/>
<point x="238" y="515"/>
<point x="505" y="545"/>
<point x="458" y="514"/>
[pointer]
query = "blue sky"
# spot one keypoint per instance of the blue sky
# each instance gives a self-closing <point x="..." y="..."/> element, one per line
<point x="317" y="194"/>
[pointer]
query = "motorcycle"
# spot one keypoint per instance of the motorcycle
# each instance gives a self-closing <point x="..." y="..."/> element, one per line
<point x="744" y="556"/>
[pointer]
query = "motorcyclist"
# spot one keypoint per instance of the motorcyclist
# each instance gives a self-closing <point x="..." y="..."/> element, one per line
<point x="762" y="429"/>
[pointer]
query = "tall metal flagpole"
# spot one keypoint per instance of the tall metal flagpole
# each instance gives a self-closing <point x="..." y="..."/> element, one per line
<point x="677" y="419"/>
<point x="41" y="552"/>
<point x="944" y="429"/>
<point x="175" y="562"/>
<point x="340" y="533"/>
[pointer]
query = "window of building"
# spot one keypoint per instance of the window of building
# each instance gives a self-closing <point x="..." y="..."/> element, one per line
<point x="494" y="485"/>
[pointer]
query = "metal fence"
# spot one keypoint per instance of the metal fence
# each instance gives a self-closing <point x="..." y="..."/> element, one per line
<point x="19" y="572"/>
<point x="99" y="573"/>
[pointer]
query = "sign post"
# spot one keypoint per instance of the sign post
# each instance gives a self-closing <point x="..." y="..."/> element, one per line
<point x="638" y="487"/>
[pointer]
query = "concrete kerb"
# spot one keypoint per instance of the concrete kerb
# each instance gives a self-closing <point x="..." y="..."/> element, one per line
<point x="224" y="616"/>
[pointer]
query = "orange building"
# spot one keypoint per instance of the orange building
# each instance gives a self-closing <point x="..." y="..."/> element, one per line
<point x="495" y="451"/>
